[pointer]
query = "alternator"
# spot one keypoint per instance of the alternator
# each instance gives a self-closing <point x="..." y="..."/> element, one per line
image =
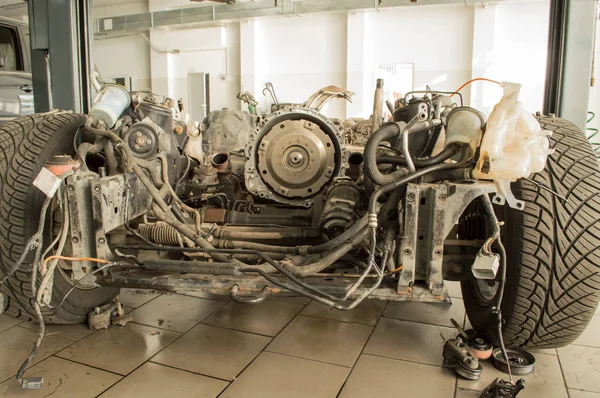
<point x="293" y="155"/>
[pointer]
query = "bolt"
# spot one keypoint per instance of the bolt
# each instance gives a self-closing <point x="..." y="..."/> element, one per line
<point x="75" y="239"/>
<point x="101" y="241"/>
<point x="407" y="252"/>
<point x="148" y="142"/>
<point x="139" y="133"/>
<point x="71" y="188"/>
<point x="137" y="146"/>
<point x="410" y="197"/>
<point x="457" y="268"/>
<point x="97" y="189"/>
<point x="438" y="253"/>
<point x="442" y="197"/>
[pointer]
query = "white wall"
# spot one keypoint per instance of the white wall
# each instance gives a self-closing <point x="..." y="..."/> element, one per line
<point x="448" y="45"/>
<point x="123" y="56"/>
<point x="436" y="39"/>
<point x="300" y="55"/>
<point x="595" y="95"/>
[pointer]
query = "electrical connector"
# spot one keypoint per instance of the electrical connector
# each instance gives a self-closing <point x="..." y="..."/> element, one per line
<point x="32" y="383"/>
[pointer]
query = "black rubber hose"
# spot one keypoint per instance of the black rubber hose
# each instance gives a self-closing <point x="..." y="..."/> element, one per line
<point x="191" y="267"/>
<point x="370" y="154"/>
<point x="372" y="209"/>
<point x="444" y="155"/>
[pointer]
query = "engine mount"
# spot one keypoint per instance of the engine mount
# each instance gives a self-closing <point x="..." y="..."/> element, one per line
<point x="293" y="155"/>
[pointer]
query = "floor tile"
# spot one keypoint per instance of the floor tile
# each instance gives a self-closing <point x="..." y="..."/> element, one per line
<point x="589" y="337"/>
<point x="366" y="313"/>
<point x="213" y="351"/>
<point x="462" y="393"/>
<point x="271" y="373"/>
<point x="583" y="394"/>
<point x="380" y="377"/>
<point x="581" y="367"/>
<point x="289" y="298"/>
<point x="545" y="381"/>
<point x="267" y="318"/>
<point x="154" y="380"/>
<point x="409" y="341"/>
<point x="175" y="312"/>
<point x="432" y="313"/>
<point x="323" y="340"/>
<point x="62" y="379"/>
<point x="137" y="297"/>
<point x="223" y="298"/>
<point x="453" y="289"/>
<point x="7" y="322"/>
<point x="15" y="345"/>
<point x="71" y="332"/>
<point x="119" y="350"/>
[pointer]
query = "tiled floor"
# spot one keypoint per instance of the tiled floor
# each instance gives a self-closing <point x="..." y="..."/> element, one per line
<point x="205" y="346"/>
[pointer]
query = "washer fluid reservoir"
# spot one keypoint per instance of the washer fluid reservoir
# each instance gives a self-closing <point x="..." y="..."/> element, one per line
<point x="514" y="146"/>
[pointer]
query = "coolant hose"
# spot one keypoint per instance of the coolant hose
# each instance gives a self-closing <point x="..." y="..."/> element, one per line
<point x="370" y="154"/>
<point x="444" y="155"/>
<point x="372" y="208"/>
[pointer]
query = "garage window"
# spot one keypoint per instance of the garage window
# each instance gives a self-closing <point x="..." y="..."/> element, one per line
<point x="9" y="59"/>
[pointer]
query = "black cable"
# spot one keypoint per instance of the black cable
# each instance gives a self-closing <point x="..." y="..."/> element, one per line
<point x="444" y="155"/>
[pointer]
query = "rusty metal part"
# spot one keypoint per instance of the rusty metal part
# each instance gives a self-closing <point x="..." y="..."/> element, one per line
<point x="340" y="208"/>
<point x="460" y="355"/>
<point x="235" y="296"/>
<point x="60" y="164"/>
<point x="108" y="314"/>
<point x="503" y="389"/>
<point x="296" y="158"/>
<point x="521" y="362"/>
<point x="355" y="165"/>
<point x="162" y="233"/>
<point x="377" y="106"/>
<point x="292" y="155"/>
<point x="265" y="233"/>
<point x="220" y="161"/>
<point x="319" y="98"/>
<point x="259" y="215"/>
<point x="142" y="139"/>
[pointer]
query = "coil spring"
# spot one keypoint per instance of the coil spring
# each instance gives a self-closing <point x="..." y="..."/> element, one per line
<point x="160" y="233"/>
<point x="592" y="133"/>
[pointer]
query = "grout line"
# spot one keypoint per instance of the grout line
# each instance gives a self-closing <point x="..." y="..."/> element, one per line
<point x="264" y="349"/>
<point x="188" y="371"/>
<point x="338" y="320"/>
<point x="307" y="359"/>
<point x="71" y="342"/>
<point x="419" y="322"/>
<point x="583" y="345"/>
<point x="410" y="361"/>
<point x="362" y="350"/>
<point x="158" y="352"/>
<point x="88" y="365"/>
<point x="562" y="373"/>
<point x="158" y="327"/>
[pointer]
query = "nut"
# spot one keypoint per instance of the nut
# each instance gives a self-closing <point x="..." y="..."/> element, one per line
<point x="407" y="252"/>
<point x="97" y="189"/>
<point x="101" y="241"/>
<point x="410" y="197"/>
<point x="75" y="239"/>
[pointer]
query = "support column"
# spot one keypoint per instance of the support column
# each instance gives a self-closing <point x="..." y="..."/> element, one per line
<point x="61" y="54"/>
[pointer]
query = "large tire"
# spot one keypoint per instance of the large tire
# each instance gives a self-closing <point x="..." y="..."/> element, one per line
<point x="25" y="145"/>
<point x="553" y="249"/>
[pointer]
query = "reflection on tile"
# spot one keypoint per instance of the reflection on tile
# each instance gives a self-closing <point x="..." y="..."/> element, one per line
<point x="589" y="337"/>
<point x="15" y="345"/>
<point x="62" y="379"/>
<point x="410" y="341"/>
<point x="322" y="340"/>
<point x="545" y="381"/>
<point x="583" y="394"/>
<point x="267" y="318"/>
<point x="72" y="332"/>
<point x="366" y="313"/>
<point x="432" y="313"/>
<point x="380" y="377"/>
<point x="7" y="322"/>
<point x="271" y="373"/>
<point x="462" y="393"/>
<point x="289" y="298"/>
<point x="453" y="289"/>
<point x="119" y="350"/>
<point x="175" y="312"/>
<point x="213" y="351"/>
<point x="137" y="297"/>
<point x="581" y="367"/>
<point x="153" y="380"/>
<point x="224" y="298"/>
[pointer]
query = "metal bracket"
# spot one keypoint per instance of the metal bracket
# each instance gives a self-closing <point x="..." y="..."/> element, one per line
<point x="429" y="214"/>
